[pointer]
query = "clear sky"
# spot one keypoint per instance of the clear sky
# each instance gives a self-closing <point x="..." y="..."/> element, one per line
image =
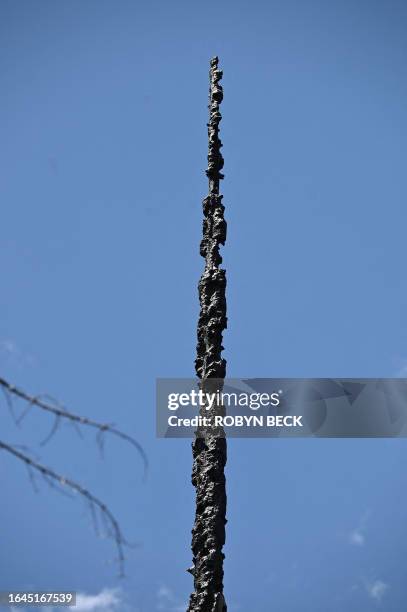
<point x="103" y="148"/>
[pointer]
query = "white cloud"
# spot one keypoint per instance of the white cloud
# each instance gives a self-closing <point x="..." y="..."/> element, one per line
<point x="9" y="347"/>
<point x="376" y="589"/>
<point x="167" y="602"/>
<point x="401" y="372"/>
<point x="357" y="537"/>
<point x="11" y="353"/>
<point x="107" y="600"/>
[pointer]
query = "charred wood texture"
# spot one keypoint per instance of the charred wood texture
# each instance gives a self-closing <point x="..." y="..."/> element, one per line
<point x="209" y="446"/>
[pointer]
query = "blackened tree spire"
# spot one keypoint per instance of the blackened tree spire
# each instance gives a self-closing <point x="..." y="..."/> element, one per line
<point x="209" y="446"/>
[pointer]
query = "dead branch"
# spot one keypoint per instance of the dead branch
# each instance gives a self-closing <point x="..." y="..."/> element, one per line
<point x="52" y="477"/>
<point x="61" y="412"/>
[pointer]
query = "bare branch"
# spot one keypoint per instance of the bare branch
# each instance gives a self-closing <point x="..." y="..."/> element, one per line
<point x="52" y="477"/>
<point x="60" y="411"/>
<point x="51" y="483"/>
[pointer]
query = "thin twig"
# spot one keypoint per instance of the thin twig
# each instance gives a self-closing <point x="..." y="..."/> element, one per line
<point x="10" y="406"/>
<point x="31" y="476"/>
<point x="94" y="518"/>
<point x="53" y="430"/>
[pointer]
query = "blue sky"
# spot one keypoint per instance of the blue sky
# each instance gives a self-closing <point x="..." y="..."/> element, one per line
<point x="103" y="120"/>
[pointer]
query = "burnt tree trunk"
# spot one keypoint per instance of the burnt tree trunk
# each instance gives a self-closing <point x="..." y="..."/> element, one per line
<point x="209" y="446"/>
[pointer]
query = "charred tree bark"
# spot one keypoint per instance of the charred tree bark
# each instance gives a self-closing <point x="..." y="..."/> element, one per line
<point x="209" y="446"/>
